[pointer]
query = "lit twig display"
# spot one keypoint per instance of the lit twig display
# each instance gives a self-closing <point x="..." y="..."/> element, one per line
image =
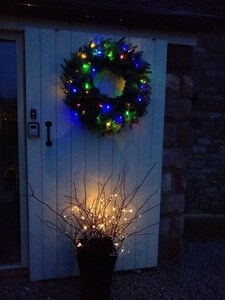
<point x="106" y="216"/>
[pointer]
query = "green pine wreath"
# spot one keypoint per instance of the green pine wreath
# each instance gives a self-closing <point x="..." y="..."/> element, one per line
<point x="96" y="110"/>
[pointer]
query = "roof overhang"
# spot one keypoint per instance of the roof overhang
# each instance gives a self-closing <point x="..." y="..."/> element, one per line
<point x="111" y="13"/>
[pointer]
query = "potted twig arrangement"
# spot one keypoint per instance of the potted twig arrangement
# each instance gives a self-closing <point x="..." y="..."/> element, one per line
<point x="98" y="228"/>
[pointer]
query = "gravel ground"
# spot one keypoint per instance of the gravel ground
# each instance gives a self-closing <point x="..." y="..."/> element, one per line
<point x="199" y="276"/>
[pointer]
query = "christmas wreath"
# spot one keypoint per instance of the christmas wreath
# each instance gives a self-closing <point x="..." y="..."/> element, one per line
<point x="96" y="109"/>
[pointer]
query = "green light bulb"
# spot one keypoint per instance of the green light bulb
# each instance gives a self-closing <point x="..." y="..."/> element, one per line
<point x="110" y="55"/>
<point x="86" y="67"/>
<point x="87" y="86"/>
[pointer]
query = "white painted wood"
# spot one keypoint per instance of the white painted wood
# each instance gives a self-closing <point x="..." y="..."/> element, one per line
<point x="79" y="153"/>
<point x="48" y="113"/>
<point x="65" y="263"/>
<point x="34" y="153"/>
<point x="145" y="162"/>
<point x="158" y="94"/>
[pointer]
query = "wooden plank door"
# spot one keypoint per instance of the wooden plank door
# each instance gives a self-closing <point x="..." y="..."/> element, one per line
<point x="77" y="152"/>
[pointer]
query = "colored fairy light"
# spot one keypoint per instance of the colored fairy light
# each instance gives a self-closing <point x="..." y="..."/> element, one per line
<point x="75" y="114"/>
<point x="125" y="47"/>
<point x="110" y="55"/>
<point x="97" y="52"/>
<point x="93" y="71"/>
<point x="106" y="108"/>
<point x="108" y="124"/>
<point x="143" y="86"/>
<point x="98" y="120"/>
<point x="84" y="55"/>
<point x="87" y="86"/>
<point x="118" y="119"/>
<point x="137" y="64"/>
<point x="86" y="67"/>
<point x="143" y="81"/>
<point x="140" y="98"/>
<point x="93" y="44"/>
<point x="100" y="109"/>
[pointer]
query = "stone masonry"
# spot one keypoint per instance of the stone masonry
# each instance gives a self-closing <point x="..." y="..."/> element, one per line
<point x="175" y="153"/>
<point x="206" y="169"/>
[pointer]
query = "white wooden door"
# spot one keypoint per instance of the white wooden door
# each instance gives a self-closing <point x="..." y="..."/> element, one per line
<point x="77" y="152"/>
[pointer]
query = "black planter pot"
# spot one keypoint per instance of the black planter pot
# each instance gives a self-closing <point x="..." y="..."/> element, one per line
<point x="96" y="264"/>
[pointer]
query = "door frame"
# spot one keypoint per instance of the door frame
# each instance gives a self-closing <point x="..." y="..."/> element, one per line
<point x="18" y="37"/>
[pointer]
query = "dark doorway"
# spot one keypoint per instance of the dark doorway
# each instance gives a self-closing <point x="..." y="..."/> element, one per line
<point x="10" y="249"/>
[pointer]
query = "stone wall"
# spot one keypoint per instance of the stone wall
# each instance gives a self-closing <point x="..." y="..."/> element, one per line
<point x="193" y="180"/>
<point x="206" y="164"/>
<point x="175" y="154"/>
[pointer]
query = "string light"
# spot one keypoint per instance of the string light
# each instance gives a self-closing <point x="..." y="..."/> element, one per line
<point x="100" y="218"/>
<point x="111" y="217"/>
<point x="86" y="67"/>
<point x="92" y="44"/>
<point x="87" y="86"/>
<point x="83" y="55"/>
<point x="108" y="114"/>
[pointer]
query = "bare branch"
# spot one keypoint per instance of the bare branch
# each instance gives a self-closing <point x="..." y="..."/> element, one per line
<point x="106" y="215"/>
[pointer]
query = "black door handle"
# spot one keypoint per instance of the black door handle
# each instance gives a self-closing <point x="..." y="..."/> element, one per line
<point x="48" y="143"/>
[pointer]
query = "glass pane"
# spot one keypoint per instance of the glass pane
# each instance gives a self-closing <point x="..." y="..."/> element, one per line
<point x="9" y="186"/>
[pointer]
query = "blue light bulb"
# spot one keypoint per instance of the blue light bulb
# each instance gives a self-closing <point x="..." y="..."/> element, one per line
<point x="74" y="114"/>
<point x="143" y="86"/>
<point x="106" y="108"/>
<point x="99" y="53"/>
<point x="118" y="119"/>
<point x="125" y="47"/>
<point x="137" y="64"/>
<point x="139" y="98"/>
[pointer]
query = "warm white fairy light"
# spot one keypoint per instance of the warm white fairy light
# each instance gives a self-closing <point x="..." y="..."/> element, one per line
<point x="104" y="216"/>
<point x="100" y="218"/>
